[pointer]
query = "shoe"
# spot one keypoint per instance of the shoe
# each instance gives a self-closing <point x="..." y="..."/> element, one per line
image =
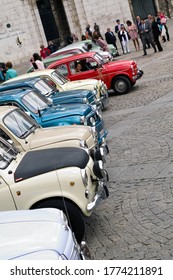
<point x="155" y="51"/>
<point x="161" y="50"/>
<point x="144" y="54"/>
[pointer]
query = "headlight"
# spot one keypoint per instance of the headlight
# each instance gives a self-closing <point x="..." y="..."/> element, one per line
<point x="94" y="133"/>
<point x="92" y="121"/>
<point x="84" y="177"/>
<point x="85" y="100"/>
<point x="100" y="154"/>
<point x="83" y="120"/>
<point x="98" y="169"/>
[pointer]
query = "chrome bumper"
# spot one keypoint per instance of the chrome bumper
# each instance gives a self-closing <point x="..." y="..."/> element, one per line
<point x="101" y="195"/>
<point x="140" y="73"/>
<point x="104" y="100"/>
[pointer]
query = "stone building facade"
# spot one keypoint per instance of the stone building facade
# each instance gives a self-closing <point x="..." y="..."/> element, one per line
<point x="25" y="24"/>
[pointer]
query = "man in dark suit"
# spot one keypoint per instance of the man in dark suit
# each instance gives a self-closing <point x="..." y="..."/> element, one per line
<point x="110" y="38"/>
<point x="144" y="31"/>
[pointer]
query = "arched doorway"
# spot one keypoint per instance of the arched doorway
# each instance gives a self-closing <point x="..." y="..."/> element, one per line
<point x="54" y="20"/>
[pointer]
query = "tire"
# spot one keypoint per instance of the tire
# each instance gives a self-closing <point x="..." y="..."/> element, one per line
<point x="121" y="85"/>
<point x="73" y="214"/>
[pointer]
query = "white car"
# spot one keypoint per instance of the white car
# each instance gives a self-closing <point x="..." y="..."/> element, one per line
<point x="41" y="234"/>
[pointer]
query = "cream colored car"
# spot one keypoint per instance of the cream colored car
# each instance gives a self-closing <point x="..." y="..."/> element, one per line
<point x="21" y="130"/>
<point x="63" y="84"/>
<point x="63" y="178"/>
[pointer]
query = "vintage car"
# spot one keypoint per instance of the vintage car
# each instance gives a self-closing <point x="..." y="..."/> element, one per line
<point x="63" y="178"/>
<point x="82" y="47"/>
<point x="48" y="115"/>
<point x="40" y="234"/>
<point x="25" y="134"/>
<point x="48" y="88"/>
<point x="64" y="84"/>
<point x="117" y="75"/>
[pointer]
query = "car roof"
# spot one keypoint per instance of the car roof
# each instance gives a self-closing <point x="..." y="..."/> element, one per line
<point x="72" y="58"/>
<point x="14" y="92"/>
<point x="73" y="46"/>
<point x="5" y="109"/>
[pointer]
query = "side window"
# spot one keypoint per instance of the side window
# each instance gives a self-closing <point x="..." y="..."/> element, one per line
<point x="91" y="63"/>
<point x="72" y="67"/>
<point x="63" y="69"/>
<point x="4" y="135"/>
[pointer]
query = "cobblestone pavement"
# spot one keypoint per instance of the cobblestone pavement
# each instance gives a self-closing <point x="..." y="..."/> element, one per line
<point x="136" y="222"/>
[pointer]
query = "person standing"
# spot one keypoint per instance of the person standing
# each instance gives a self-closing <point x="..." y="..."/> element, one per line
<point x="38" y="62"/>
<point x="124" y="38"/>
<point x="138" y="23"/>
<point x="44" y="52"/>
<point x="161" y="20"/>
<point x="156" y="33"/>
<point x="133" y="32"/>
<point x="144" y="30"/>
<point x="117" y="31"/>
<point x="110" y="38"/>
<point x="10" y="72"/>
<point x="52" y="47"/>
<point x="100" y="42"/>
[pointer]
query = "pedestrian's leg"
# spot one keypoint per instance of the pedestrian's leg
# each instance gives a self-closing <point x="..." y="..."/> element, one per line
<point x="134" y="43"/>
<point x="167" y="34"/>
<point x="124" y="47"/>
<point x="137" y="42"/>
<point x="127" y="46"/>
<point x="144" y="45"/>
<point x="158" y="44"/>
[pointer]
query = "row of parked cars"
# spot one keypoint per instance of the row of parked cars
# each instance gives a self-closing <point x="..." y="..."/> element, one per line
<point x="52" y="154"/>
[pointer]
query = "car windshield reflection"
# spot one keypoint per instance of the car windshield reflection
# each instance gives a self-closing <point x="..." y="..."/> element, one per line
<point x="19" y="123"/>
<point x="43" y="87"/>
<point x="35" y="103"/>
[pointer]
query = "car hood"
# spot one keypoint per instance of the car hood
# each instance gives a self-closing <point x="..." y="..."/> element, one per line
<point x="81" y="84"/>
<point x="121" y="65"/>
<point x="72" y="93"/>
<point x="50" y="136"/>
<point x="66" y="110"/>
<point x="22" y="233"/>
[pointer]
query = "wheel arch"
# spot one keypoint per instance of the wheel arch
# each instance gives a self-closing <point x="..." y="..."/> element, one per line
<point x="120" y="75"/>
<point x="49" y="199"/>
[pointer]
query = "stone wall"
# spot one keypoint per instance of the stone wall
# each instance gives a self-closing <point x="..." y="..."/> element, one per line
<point x="104" y="13"/>
<point x="21" y="30"/>
<point x="166" y="6"/>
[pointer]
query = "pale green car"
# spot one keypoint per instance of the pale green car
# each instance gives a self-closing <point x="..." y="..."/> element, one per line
<point x="82" y="46"/>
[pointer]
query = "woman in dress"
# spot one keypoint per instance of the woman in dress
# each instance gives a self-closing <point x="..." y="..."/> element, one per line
<point x="133" y="33"/>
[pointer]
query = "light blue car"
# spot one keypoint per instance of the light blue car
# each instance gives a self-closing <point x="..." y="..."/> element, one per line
<point x="47" y="115"/>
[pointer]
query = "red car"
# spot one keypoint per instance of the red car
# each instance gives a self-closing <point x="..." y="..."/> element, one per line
<point x="117" y="75"/>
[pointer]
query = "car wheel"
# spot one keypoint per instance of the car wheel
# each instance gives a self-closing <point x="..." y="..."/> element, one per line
<point x="73" y="214"/>
<point x="121" y="85"/>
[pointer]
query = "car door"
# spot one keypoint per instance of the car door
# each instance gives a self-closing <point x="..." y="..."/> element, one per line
<point x="90" y="70"/>
<point x="6" y="199"/>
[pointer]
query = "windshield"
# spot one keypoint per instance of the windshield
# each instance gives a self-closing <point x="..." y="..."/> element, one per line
<point x="43" y="87"/>
<point x="35" y="102"/>
<point x="7" y="154"/>
<point x="60" y="79"/>
<point x="99" y="59"/>
<point x="19" y="123"/>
